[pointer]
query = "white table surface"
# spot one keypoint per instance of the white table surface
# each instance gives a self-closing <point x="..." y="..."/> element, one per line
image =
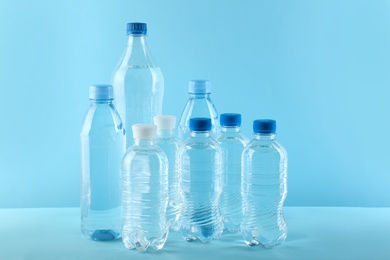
<point x="314" y="233"/>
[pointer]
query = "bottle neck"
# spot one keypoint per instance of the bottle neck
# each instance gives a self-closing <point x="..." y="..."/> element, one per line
<point x="264" y="137"/>
<point x="200" y="134"/>
<point x="101" y="101"/>
<point x="166" y="133"/>
<point x="199" y="95"/>
<point x="230" y="129"/>
<point x="144" y="142"/>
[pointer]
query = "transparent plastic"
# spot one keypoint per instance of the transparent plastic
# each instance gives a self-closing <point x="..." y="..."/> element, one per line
<point x="138" y="85"/>
<point x="145" y="196"/>
<point x="200" y="181"/>
<point x="102" y="147"/>
<point x="198" y="105"/>
<point x="264" y="189"/>
<point x="167" y="141"/>
<point x="233" y="143"/>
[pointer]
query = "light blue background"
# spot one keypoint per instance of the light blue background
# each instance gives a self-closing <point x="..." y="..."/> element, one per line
<point x="320" y="68"/>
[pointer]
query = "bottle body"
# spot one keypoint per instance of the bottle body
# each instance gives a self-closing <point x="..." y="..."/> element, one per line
<point x="144" y="196"/>
<point x="264" y="189"/>
<point x="170" y="145"/>
<point x="138" y="85"/>
<point x="233" y="143"/>
<point x="102" y="147"/>
<point x="200" y="168"/>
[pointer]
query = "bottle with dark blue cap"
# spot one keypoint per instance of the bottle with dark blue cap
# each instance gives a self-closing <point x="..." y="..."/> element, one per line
<point x="138" y="82"/>
<point x="264" y="165"/>
<point x="233" y="143"/>
<point x="200" y="164"/>
<point x="102" y="148"/>
<point x="199" y="104"/>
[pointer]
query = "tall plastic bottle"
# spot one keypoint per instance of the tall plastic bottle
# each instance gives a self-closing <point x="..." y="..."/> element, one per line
<point x="138" y="82"/>
<point x="198" y="105"/>
<point x="200" y="160"/>
<point x="264" y="187"/>
<point x="144" y="192"/>
<point x="232" y="143"/>
<point x="102" y="147"/>
<point x="168" y="142"/>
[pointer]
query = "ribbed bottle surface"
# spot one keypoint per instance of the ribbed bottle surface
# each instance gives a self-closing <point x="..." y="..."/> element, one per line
<point x="200" y="163"/>
<point x="144" y="198"/>
<point x="233" y="143"/>
<point x="170" y="147"/>
<point x="102" y="149"/>
<point x="264" y="189"/>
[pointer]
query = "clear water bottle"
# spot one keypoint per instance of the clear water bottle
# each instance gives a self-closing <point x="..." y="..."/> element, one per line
<point x="138" y="82"/>
<point x="264" y="187"/>
<point x="200" y="160"/>
<point x="168" y="142"/>
<point x="144" y="191"/>
<point x="198" y="105"/>
<point x="232" y="143"/>
<point x="102" y="147"/>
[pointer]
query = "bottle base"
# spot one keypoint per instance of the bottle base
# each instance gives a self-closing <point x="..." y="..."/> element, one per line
<point x="101" y="235"/>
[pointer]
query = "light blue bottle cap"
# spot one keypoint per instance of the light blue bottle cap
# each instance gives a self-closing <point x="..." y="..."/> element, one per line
<point x="101" y="92"/>
<point x="199" y="87"/>
<point x="200" y="124"/>
<point x="136" y="28"/>
<point x="230" y="119"/>
<point x="264" y="126"/>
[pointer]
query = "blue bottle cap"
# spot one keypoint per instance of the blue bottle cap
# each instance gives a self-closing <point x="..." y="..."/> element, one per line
<point x="200" y="124"/>
<point x="136" y="28"/>
<point x="264" y="126"/>
<point x="199" y="87"/>
<point x="101" y="92"/>
<point x="230" y="119"/>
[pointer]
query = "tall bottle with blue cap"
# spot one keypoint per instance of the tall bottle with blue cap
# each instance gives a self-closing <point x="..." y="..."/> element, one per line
<point x="233" y="143"/>
<point x="200" y="162"/>
<point x="199" y="104"/>
<point x="102" y="148"/>
<point x="138" y="82"/>
<point x="264" y="187"/>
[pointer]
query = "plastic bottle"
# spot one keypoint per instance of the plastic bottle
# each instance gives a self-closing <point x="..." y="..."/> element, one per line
<point x="232" y="143"/>
<point x="198" y="105"/>
<point x="145" y="191"/>
<point x="168" y="142"/>
<point x="200" y="160"/>
<point x="138" y="82"/>
<point x="102" y="147"/>
<point x="264" y="187"/>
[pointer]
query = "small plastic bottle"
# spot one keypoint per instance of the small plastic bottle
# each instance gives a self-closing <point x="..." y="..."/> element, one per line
<point x="200" y="160"/>
<point x="264" y="187"/>
<point x="168" y="142"/>
<point x="102" y="148"/>
<point x="198" y="105"/>
<point x="232" y="143"/>
<point x="138" y="82"/>
<point x="144" y="191"/>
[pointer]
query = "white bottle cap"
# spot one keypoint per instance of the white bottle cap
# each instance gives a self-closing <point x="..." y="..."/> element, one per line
<point x="144" y="131"/>
<point x="165" y="122"/>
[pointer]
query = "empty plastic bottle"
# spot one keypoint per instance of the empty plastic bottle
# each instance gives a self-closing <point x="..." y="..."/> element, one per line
<point x="200" y="161"/>
<point x="102" y="148"/>
<point x="138" y="82"/>
<point x="198" y="105"/>
<point x="145" y="192"/>
<point x="264" y="187"/>
<point x="168" y="142"/>
<point x="232" y="143"/>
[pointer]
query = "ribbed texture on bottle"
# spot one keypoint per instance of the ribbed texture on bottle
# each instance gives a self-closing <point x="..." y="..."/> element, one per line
<point x="144" y="199"/>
